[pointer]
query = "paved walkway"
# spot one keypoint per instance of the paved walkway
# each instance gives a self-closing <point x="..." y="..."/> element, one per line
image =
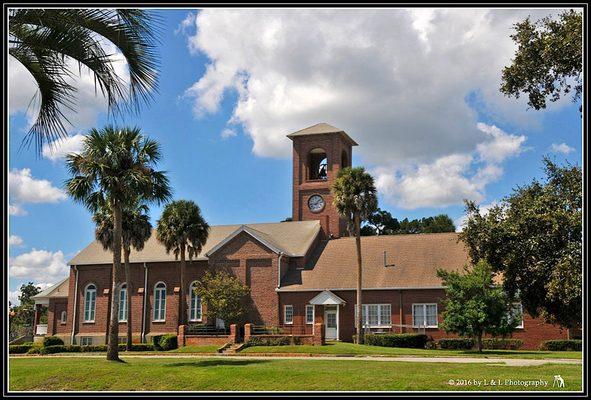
<point x="515" y="362"/>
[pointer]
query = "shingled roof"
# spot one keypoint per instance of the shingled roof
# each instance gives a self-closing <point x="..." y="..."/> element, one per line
<point x="294" y="238"/>
<point x="321" y="129"/>
<point x="411" y="262"/>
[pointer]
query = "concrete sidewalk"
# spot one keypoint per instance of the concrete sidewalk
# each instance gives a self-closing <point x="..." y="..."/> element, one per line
<point x="516" y="362"/>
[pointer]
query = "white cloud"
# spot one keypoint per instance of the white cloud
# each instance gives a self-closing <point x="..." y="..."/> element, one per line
<point x="15" y="240"/>
<point x="13" y="295"/>
<point x="228" y="133"/>
<point x="185" y="24"/>
<point x="16" y="210"/>
<point x="23" y="188"/>
<point x="39" y="266"/>
<point x="60" y="148"/>
<point x="562" y="148"/>
<point x="89" y="101"/>
<point x="450" y="179"/>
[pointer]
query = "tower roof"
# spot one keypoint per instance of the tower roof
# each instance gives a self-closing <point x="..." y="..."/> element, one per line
<point x="321" y="129"/>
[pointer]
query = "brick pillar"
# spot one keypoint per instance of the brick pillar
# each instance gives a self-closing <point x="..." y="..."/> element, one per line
<point x="318" y="335"/>
<point x="247" y="328"/>
<point x="37" y="318"/>
<point x="233" y="338"/>
<point x="181" y="336"/>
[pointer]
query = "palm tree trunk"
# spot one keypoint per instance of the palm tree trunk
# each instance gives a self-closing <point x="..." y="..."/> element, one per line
<point x="182" y="300"/>
<point x="113" y="345"/>
<point x="358" y="324"/>
<point x="126" y="252"/>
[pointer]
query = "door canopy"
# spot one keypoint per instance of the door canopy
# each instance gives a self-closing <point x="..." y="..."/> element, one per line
<point x="326" y="298"/>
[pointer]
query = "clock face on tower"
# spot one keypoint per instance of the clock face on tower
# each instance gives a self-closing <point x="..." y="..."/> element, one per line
<point x="316" y="203"/>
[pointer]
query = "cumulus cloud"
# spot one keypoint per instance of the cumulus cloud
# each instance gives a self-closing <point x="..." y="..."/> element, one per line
<point x="89" y="102"/>
<point x="398" y="81"/>
<point x="450" y="179"/>
<point x="484" y="208"/>
<point x="39" y="266"/>
<point x="58" y="149"/>
<point x="228" y="133"/>
<point x="24" y="188"/>
<point x="15" y="240"/>
<point x="14" y="295"/>
<point x="561" y="148"/>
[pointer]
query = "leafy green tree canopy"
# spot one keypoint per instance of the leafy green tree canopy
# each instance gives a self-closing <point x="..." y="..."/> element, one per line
<point x="24" y="313"/>
<point x="382" y="223"/>
<point x="534" y="238"/>
<point x="474" y="305"/>
<point x="224" y="296"/>
<point x="548" y="60"/>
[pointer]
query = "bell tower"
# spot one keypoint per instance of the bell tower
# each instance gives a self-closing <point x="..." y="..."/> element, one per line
<point x="319" y="152"/>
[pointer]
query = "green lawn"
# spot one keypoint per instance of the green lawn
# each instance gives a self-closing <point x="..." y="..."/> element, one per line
<point x="343" y="348"/>
<point x="82" y="373"/>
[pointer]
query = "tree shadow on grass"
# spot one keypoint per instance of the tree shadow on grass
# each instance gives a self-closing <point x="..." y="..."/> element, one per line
<point x="216" y="363"/>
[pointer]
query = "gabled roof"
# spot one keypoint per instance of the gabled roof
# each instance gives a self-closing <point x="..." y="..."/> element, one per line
<point x="293" y="238"/>
<point x="326" y="298"/>
<point x="321" y="129"/>
<point x="411" y="262"/>
<point x="262" y="237"/>
<point x="60" y="289"/>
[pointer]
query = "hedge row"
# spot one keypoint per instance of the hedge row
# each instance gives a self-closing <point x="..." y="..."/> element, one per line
<point x="87" y="349"/>
<point x="455" y="344"/>
<point x="52" y="341"/>
<point x="19" y="348"/>
<point x="489" y="344"/>
<point x="562" y="345"/>
<point x="165" y="342"/>
<point x="409" y="340"/>
<point x="273" y="341"/>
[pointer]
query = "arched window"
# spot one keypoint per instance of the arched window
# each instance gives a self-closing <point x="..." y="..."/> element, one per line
<point x="63" y="317"/>
<point x="195" y="309"/>
<point x="159" y="302"/>
<point x="344" y="160"/>
<point x="318" y="164"/>
<point x="123" y="303"/>
<point x="89" y="302"/>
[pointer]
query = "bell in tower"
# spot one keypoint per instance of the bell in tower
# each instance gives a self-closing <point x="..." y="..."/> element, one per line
<point x="319" y="152"/>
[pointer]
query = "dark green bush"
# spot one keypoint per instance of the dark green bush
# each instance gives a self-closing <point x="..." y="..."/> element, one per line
<point x="88" y="349"/>
<point x="19" y="348"/>
<point x="502" y="344"/>
<point x="410" y="340"/>
<point x="270" y="341"/>
<point x="34" y="350"/>
<point x="156" y="342"/>
<point x="52" y="341"/>
<point x="168" y="342"/>
<point x="455" y="343"/>
<point x="562" y="345"/>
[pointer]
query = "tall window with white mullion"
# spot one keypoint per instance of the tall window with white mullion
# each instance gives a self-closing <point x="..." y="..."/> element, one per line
<point x="195" y="309"/>
<point x="160" y="302"/>
<point x="123" y="303"/>
<point x="89" y="303"/>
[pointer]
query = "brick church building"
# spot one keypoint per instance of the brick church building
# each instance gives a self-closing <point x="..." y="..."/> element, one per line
<point x="300" y="273"/>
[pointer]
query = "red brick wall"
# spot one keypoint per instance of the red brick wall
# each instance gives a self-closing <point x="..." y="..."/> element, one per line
<point x="54" y="314"/>
<point x="333" y="145"/>
<point x="535" y="330"/>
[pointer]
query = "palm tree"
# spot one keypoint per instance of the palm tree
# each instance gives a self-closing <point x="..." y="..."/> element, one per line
<point x="355" y="199"/>
<point x="136" y="230"/>
<point x="116" y="165"/>
<point x="182" y="229"/>
<point x="45" y="41"/>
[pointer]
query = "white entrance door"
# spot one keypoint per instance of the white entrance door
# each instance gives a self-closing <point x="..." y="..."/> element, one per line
<point x="331" y="322"/>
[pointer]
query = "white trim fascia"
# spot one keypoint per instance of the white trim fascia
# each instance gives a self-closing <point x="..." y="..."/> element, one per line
<point x="287" y="290"/>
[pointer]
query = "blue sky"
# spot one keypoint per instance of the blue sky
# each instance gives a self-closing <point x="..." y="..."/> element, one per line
<point x="429" y="121"/>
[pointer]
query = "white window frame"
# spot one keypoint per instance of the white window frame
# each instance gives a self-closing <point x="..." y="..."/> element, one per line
<point x="310" y="306"/>
<point x="195" y="304"/>
<point x="63" y="317"/>
<point x="520" y="326"/>
<point x="365" y="315"/>
<point x="159" y="313"/>
<point x="425" y="315"/>
<point x="285" y="321"/>
<point x="91" y="312"/>
<point x="123" y="304"/>
<point x="84" y="341"/>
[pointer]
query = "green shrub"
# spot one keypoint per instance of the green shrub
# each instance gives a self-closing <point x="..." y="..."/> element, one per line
<point x="168" y="342"/>
<point x="502" y="344"/>
<point x="52" y="341"/>
<point x="410" y="340"/>
<point x="142" y="347"/>
<point x="34" y="350"/>
<point x="19" y="348"/>
<point x="53" y="349"/>
<point x="270" y="341"/>
<point x="156" y="342"/>
<point x="456" y="343"/>
<point x="562" y="345"/>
